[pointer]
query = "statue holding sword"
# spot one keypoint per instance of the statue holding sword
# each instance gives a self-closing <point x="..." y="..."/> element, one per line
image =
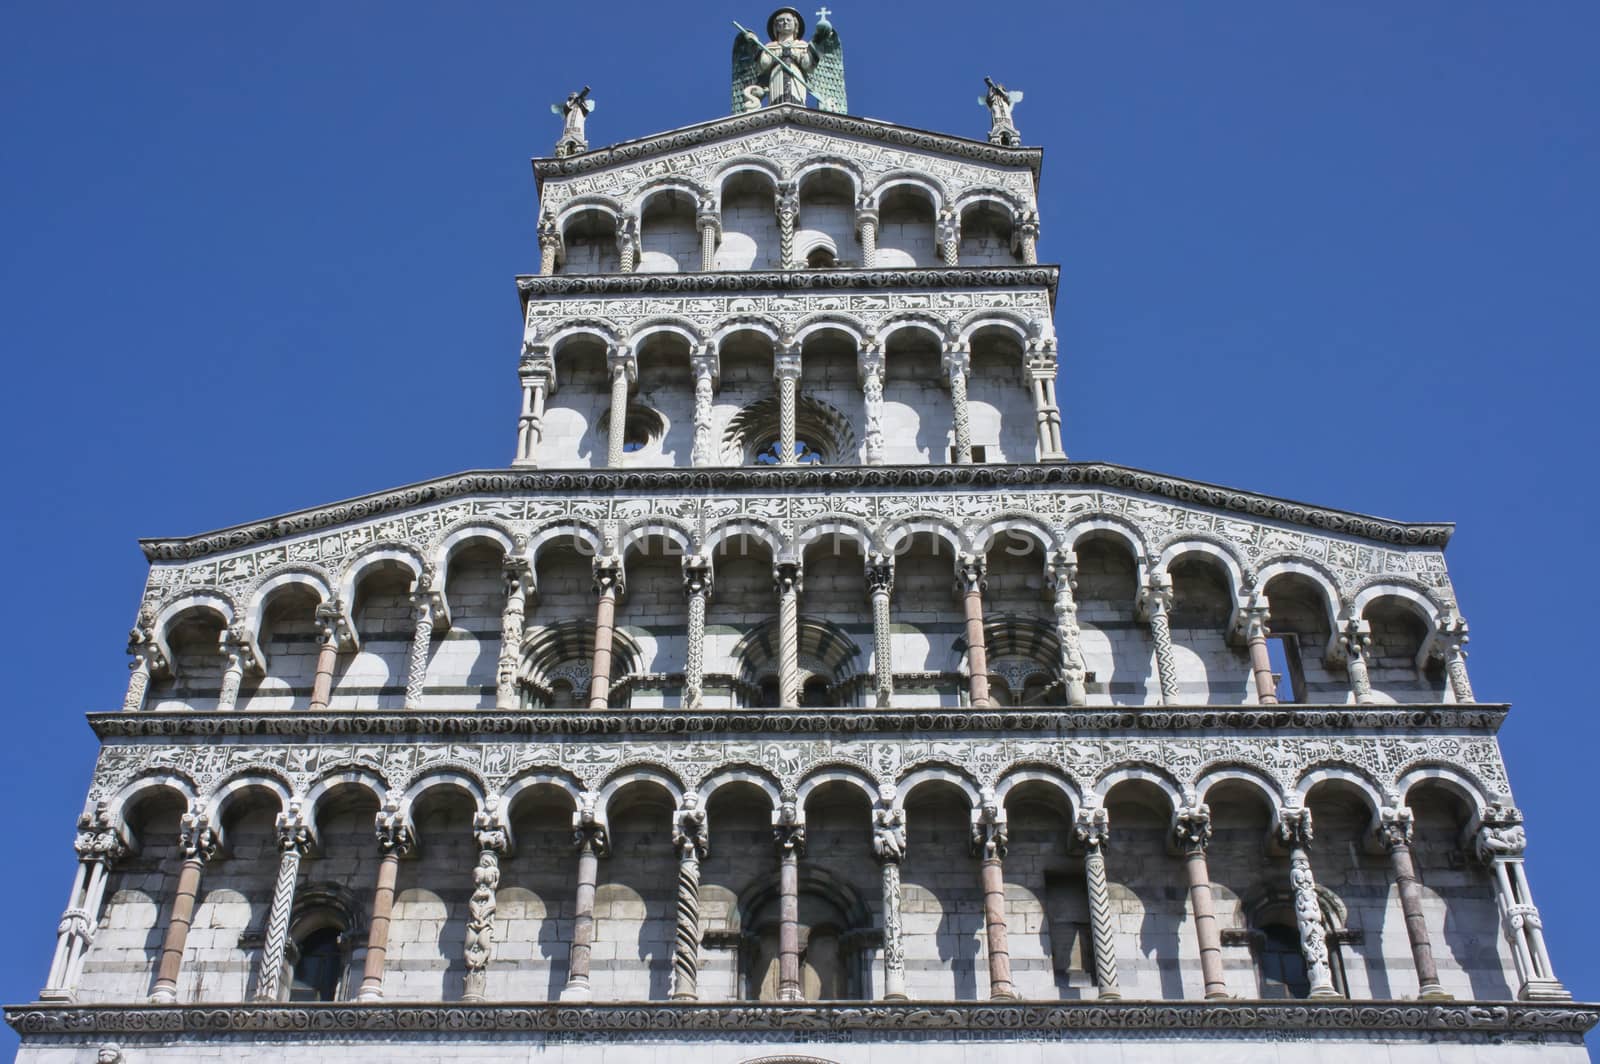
<point x="788" y="68"/>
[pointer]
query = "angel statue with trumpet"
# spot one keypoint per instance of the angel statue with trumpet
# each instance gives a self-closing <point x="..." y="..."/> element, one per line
<point x="788" y="67"/>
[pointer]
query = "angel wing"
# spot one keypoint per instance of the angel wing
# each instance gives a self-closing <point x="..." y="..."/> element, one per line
<point x="557" y="109"/>
<point x="827" y="80"/>
<point x="588" y="104"/>
<point x="746" y="70"/>
<point x="1015" y="95"/>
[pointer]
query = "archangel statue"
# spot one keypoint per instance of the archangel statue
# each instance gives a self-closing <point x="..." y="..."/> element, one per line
<point x="573" y="113"/>
<point x="999" y="100"/>
<point x="788" y="67"/>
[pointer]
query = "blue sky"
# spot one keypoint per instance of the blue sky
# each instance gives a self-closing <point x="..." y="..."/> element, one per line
<point x="257" y="257"/>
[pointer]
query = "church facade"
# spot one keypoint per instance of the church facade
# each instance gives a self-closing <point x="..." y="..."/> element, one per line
<point x="792" y="696"/>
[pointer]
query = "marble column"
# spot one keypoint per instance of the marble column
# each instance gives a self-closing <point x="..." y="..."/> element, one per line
<point x="789" y="832"/>
<point x="1062" y="573"/>
<point x="138" y="678"/>
<point x="1294" y="831"/>
<point x="697" y="577"/>
<point x="589" y="835"/>
<point x="704" y="364"/>
<point x="788" y="207"/>
<point x="199" y="842"/>
<point x="549" y="245"/>
<point x="1155" y="604"/>
<point x="1355" y="637"/>
<point x="786" y="367"/>
<point x="1093" y="829"/>
<point x="1027" y="226"/>
<point x="518" y="582"/>
<point x="494" y="840"/>
<point x="424" y="609"/>
<point x="970" y="584"/>
<point x="333" y="632"/>
<point x="1500" y="844"/>
<point x="1394" y="832"/>
<point x="989" y="845"/>
<point x="234" y="645"/>
<point x="1252" y="625"/>
<point x="1192" y="827"/>
<point x="709" y="221"/>
<point x="608" y="583"/>
<point x="786" y="578"/>
<point x="627" y="244"/>
<point x="871" y="366"/>
<point x="293" y="836"/>
<point x="889" y="847"/>
<point x="624" y="370"/>
<point x="1039" y="371"/>
<point x="1449" y="642"/>
<point x="691" y="843"/>
<point x="99" y="847"/>
<point x="957" y="364"/>
<point x="880" y="584"/>
<point x="947" y="234"/>
<point x="395" y="840"/>
<point x="536" y="377"/>
<point x="867" y="230"/>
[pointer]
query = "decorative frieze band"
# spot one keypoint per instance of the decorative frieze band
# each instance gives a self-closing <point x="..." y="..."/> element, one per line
<point x="1458" y="1021"/>
<point x="1384" y="765"/>
<point x="744" y="282"/>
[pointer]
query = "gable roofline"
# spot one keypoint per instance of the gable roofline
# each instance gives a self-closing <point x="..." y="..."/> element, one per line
<point x="871" y="129"/>
<point x="771" y="479"/>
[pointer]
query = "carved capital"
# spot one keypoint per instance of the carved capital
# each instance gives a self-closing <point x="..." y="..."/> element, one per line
<point x="788" y="826"/>
<point x="609" y="575"/>
<point x="1501" y="834"/>
<point x="334" y="625"/>
<point x="879" y="573"/>
<point x="989" y="834"/>
<point x="787" y="577"/>
<point x="706" y="362"/>
<point x="1251" y="618"/>
<point x="588" y="830"/>
<point x="1394" y="827"/>
<point x="293" y="828"/>
<point x="956" y="359"/>
<point x="1093" y="827"/>
<point x="1352" y="639"/>
<point x="198" y="838"/>
<point x="490" y="831"/>
<point x="786" y="362"/>
<point x="1062" y="570"/>
<point x="622" y="360"/>
<point x="394" y="830"/>
<point x="888" y="830"/>
<point x="689" y="837"/>
<point x="1156" y="595"/>
<point x="1294" y="827"/>
<point x="98" y="837"/>
<point x="698" y="574"/>
<point x="971" y="573"/>
<point x="1191" y="826"/>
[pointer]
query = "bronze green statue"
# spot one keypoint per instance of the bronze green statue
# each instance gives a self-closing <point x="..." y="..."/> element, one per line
<point x="788" y="68"/>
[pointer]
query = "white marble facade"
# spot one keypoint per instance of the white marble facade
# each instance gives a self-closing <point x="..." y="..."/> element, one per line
<point x="791" y="696"/>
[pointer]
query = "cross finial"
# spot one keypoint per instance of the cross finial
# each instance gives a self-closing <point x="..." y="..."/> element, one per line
<point x="822" y="14"/>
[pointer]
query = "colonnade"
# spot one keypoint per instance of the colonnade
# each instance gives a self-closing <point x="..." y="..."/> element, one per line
<point x="787" y="209"/>
<point x="537" y="374"/>
<point x="1153" y="605"/>
<point x="1498" y="844"/>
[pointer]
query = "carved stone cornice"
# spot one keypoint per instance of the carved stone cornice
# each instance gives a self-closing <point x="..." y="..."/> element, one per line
<point x="868" y="129"/>
<point x="1292" y="719"/>
<point x="655" y="1021"/>
<point x="531" y="286"/>
<point x="779" y="479"/>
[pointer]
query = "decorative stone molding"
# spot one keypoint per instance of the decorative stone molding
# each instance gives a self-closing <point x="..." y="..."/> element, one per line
<point x="750" y="283"/>
<point x="1460" y="1020"/>
<point x="1297" y="719"/>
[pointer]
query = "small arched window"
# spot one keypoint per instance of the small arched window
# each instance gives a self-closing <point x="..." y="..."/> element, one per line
<point x="320" y="967"/>
<point x="821" y="258"/>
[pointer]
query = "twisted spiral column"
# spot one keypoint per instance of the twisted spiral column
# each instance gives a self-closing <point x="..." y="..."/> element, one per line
<point x="627" y="245"/>
<point x="949" y="235"/>
<point x="421" y="637"/>
<point x="1157" y="601"/>
<point x="788" y="372"/>
<point x="293" y="836"/>
<point x="788" y="207"/>
<point x="1093" y="830"/>
<point x="690" y="840"/>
